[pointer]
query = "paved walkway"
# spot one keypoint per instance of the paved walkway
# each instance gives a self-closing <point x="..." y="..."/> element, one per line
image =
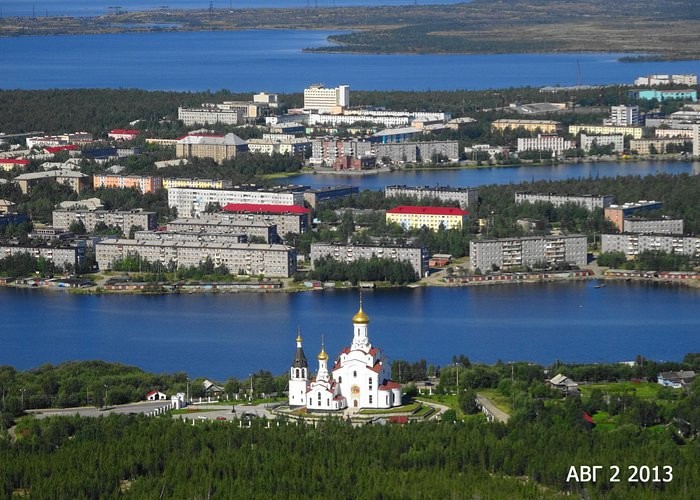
<point x="491" y="410"/>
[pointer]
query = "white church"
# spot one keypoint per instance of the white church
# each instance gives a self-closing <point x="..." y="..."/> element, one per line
<point x="359" y="378"/>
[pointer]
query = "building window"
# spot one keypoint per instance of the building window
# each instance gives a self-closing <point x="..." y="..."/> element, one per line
<point x="297" y="375"/>
<point x="319" y="399"/>
<point x="354" y="374"/>
<point x="340" y="380"/>
<point x="370" y="399"/>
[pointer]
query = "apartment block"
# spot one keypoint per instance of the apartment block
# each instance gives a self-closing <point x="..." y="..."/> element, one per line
<point x="467" y="197"/>
<point x="664" y="95"/>
<point x="63" y="256"/>
<point x="288" y="218"/>
<point x="418" y="257"/>
<point x="616" y="140"/>
<point x="209" y="114"/>
<point x="633" y="244"/>
<point x="277" y="261"/>
<point x="557" y="145"/>
<point x="173" y="182"/>
<point x="77" y="181"/>
<point x="634" y="132"/>
<point x="145" y="184"/>
<point x="543" y="126"/>
<point x="412" y="152"/>
<point x="587" y="201"/>
<point x="218" y="225"/>
<point x="123" y="219"/>
<point x="655" y="145"/>
<point x="294" y="146"/>
<point x="191" y="202"/>
<point x="641" y="225"/>
<point x="696" y="140"/>
<point x="652" y="80"/>
<point x="623" y="116"/>
<point x="509" y="253"/>
<point x="190" y="237"/>
<point x="416" y="217"/>
<point x="617" y="213"/>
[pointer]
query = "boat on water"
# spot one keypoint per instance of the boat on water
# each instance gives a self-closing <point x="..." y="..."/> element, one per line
<point x="601" y="285"/>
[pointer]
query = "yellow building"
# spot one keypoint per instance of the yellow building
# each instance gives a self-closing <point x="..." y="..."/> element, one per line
<point x="415" y="217"/>
<point x="544" y="126"/>
<point x="635" y="132"/>
<point x="197" y="183"/>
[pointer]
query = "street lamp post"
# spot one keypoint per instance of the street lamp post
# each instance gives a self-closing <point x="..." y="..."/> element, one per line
<point x="22" y="391"/>
<point x="187" y="396"/>
<point x="251" y="386"/>
<point x="106" y="387"/>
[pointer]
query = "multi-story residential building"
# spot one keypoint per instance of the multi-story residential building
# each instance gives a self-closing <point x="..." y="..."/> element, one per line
<point x="633" y="244"/>
<point x="191" y="202"/>
<point x="616" y="140"/>
<point x="674" y="133"/>
<point x="467" y="197"/>
<point x="58" y="140"/>
<point x="326" y="151"/>
<point x="251" y="229"/>
<point x="123" y="219"/>
<point x="557" y="145"/>
<point x="641" y="225"/>
<point x="191" y="237"/>
<point x="287" y="218"/>
<point x="543" y="126"/>
<point x="7" y="207"/>
<point x="217" y="147"/>
<point x="239" y="258"/>
<point x="318" y="195"/>
<point x="145" y="184"/>
<point x="509" y="253"/>
<point x="623" y="116"/>
<point x="652" y="80"/>
<point x="209" y="114"/>
<point x="173" y="182"/>
<point x="270" y="100"/>
<point x="656" y="145"/>
<point x="634" y="132"/>
<point x="587" y="201"/>
<point x="63" y="255"/>
<point x="377" y="117"/>
<point x="352" y="163"/>
<point x="618" y="213"/>
<point x="8" y="164"/>
<point x="664" y="95"/>
<point x="77" y="181"/>
<point x="325" y="99"/>
<point x="294" y="146"/>
<point x="251" y="110"/>
<point x="696" y="140"/>
<point x="412" y="152"/>
<point x="415" y="217"/>
<point x="418" y="257"/>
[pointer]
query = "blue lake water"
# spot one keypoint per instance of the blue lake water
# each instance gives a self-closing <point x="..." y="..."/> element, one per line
<point x="85" y="8"/>
<point x="218" y="336"/>
<point x="273" y="60"/>
<point x="497" y="175"/>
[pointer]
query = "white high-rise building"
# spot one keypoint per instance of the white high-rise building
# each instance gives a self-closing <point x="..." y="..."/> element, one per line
<point x="696" y="140"/>
<point x="623" y="116"/>
<point x="326" y="100"/>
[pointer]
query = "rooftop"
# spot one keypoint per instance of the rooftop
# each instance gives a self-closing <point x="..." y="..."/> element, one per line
<point x="265" y="208"/>
<point x="419" y="210"/>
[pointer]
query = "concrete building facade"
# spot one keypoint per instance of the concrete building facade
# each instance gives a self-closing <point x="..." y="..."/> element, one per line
<point x="418" y="257"/>
<point x="634" y="132"/>
<point x="544" y="126"/>
<point x="318" y="195"/>
<point x="467" y="197"/>
<point x="587" y="201"/>
<point x="325" y="99"/>
<point x="664" y="225"/>
<point x="652" y="80"/>
<point x="210" y="225"/>
<point x="123" y="219"/>
<point x="217" y="147"/>
<point x="209" y="115"/>
<point x="278" y="261"/>
<point x="655" y="145"/>
<point x="509" y="253"/>
<point x="616" y="140"/>
<point x="633" y="244"/>
<point x="557" y="145"/>
<point x="191" y="202"/>
<point x="63" y="256"/>
<point x="415" y="217"/>
<point x="173" y="182"/>
<point x="617" y="213"/>
<point x="288" y="218"/>
<point x="623" y="116"/>
<point x="145" y="184"/>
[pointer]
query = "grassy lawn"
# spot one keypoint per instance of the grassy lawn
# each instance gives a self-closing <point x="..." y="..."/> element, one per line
<point x="187" y="411"/>
<point x="500" y="401"/>
<point x="642" y="390"/>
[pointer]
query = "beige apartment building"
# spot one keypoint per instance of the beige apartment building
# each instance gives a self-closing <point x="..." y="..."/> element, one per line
<point x="217" y="147"/>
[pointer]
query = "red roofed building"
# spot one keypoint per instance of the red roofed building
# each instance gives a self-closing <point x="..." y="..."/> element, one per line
<point x="10" y="163"/>
<point x="415" y="217"/>
<point x="259" y="208"/>
<point x="122" y="134"/>
<point x="56" y="149"/>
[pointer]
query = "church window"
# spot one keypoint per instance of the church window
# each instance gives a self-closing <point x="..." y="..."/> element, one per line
<point x="328" y="402"/>
<point x="340" y="380"/>
<point x="370" y="399"/>
<point x="387" y="400"/>
<point x="319" y="398"/>
<point x="370" y="383"/>
<point x="297" y="375"/>
<point x="354" y="374"/>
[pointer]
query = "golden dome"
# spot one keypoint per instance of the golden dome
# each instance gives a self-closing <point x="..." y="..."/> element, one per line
<point x="299" y="337"/>
<point x="360" y="317"/>
<point x="322" y="356"/>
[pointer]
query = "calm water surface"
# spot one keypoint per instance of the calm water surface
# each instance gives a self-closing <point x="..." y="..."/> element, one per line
<point x="234" y="334"/>
<point x="274" y="60"/>
<point x="84" y="8"/>
<point x="497" y="175"/>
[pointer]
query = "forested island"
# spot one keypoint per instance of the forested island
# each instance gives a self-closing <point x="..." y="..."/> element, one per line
<point x="620" y="418"/>
<point x="480" y="26"/>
